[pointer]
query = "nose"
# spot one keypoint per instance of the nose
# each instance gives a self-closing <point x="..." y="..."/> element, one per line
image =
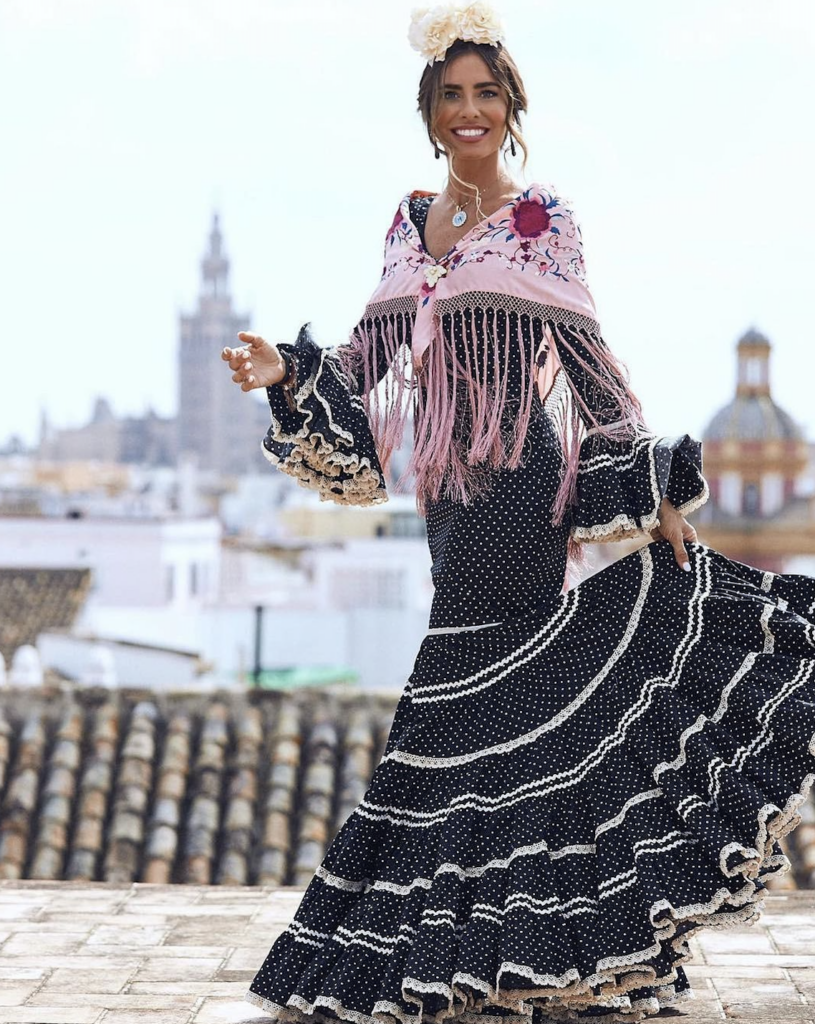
<point x="470" y="108"/>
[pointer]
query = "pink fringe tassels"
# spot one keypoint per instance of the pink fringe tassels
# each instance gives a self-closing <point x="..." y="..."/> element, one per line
<point x="377" y="358"/>
<point x="614" y="411"/>
<point x="458" y="464"/>
<point x="450" y="390"/>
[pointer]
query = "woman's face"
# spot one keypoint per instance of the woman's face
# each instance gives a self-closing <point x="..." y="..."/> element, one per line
<point x="471" y="99"/>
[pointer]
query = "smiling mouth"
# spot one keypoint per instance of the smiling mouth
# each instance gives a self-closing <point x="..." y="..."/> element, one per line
<point x="470" y="133"/>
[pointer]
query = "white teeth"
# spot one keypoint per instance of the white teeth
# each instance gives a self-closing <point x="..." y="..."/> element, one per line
<point x="470" y="131"/>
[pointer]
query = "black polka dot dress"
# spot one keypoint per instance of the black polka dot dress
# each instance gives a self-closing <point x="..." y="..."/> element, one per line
<point x="577" y="778"/>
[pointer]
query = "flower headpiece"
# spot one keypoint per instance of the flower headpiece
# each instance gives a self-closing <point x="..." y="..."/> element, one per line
<point x="434" y="30"/>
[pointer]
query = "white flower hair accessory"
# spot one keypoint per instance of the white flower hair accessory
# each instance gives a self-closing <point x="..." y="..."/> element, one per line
<point x="433" y="30"/>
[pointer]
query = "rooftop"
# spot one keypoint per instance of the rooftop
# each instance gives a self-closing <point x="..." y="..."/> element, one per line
<point x="95" y="953"/>
<point x="136" y="786"/>
<point x="234" y="788"/>
<point x="32" y="600"/>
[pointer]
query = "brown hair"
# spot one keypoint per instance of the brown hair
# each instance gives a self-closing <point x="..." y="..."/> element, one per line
<point x="506" y="74"/>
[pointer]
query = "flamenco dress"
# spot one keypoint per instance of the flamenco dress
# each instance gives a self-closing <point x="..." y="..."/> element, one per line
<point x="575" y="780"/>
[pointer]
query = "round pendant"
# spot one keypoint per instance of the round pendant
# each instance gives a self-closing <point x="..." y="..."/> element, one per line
<point x="459" y="218"/>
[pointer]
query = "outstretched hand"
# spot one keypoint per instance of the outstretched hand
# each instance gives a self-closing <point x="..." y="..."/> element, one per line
<point x="675" y="528"/>
<point x="257" y="363"/>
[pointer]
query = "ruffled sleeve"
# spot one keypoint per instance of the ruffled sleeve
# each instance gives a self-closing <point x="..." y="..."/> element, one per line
<point x="621" y="481"/>
<point x="621" y="484"/>
<point x="324" y="439"/>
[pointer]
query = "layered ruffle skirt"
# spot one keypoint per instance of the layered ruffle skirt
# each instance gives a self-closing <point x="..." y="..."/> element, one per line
<point x="564" y="799"/>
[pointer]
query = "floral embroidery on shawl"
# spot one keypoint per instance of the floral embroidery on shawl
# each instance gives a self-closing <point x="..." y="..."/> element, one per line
<point x="522" y="268"/>
<point x="546" y="236"/>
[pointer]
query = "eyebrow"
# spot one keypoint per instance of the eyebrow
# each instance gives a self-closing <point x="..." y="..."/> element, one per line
<point x="478" y="85"/>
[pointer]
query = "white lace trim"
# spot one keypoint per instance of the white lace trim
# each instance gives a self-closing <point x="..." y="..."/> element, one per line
<point x="476" y="870"/>
<point x="689" y="803"/>
<point x="616" y="976"/>
<point x="315" y="462"/>
<point x="624" y="526"/>
<point x="769" y="639"/>
<point x="384" y="1012"/>
<point x="572" y="776"/>
<point x="693" y="503"/>
<point x="565" y="610"/>
<point x="621" y="527"/>
<point x="702" y="720"/>
<point x="638" y="798"/>
<point x="424" y="761"/>
<point x="338" y="882"/>
<point x="504" y="998"/>
<point x="568" y="993"/>
<point x="765" y="735"/>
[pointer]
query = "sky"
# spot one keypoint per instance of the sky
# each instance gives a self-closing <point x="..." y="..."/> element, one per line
<point x="678" y="131"/>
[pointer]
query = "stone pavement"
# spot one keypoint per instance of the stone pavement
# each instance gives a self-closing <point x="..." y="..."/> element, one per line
<point x="93" y="953"/>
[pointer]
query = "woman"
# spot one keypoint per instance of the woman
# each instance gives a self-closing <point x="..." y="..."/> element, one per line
<point x="577" y="778"/>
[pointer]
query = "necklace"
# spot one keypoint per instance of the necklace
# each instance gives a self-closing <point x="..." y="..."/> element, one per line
<point x="460" y="216"/>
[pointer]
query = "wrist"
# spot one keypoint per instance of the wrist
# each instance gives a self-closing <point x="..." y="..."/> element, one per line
<point x="288" y="371"/>
<point x="288" y="381"/>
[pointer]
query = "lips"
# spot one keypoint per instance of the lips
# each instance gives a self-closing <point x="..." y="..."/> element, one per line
<point x="470" y="133"/>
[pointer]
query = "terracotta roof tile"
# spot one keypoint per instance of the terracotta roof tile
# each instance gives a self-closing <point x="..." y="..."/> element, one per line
<point x="235" y="789"/>
<point x="33" y="600"/>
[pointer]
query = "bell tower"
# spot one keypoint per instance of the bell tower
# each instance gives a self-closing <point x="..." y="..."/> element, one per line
<point x="218" y="424"/>
<point x="215" y="267"/>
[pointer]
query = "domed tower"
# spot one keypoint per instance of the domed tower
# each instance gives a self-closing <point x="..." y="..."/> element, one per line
<point x="753" y="450"/>
<point x="754" y="454"/>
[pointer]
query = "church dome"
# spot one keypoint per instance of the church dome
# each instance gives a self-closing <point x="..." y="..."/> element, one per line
<point x="752" y="415"/>
<point x="752" y="418"/>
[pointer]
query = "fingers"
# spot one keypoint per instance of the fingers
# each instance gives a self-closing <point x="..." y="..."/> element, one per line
<point x="235" y="355"/>
<point x="239" y="362"/>
<point x="238" y="358"/>
<point x="253" y="340"/>
<point x="681" y="555"/>
<point x="676" y="537"/>
<point x="243" y="374"/>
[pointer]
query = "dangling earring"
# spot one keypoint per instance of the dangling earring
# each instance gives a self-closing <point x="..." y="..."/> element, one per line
<point x="512" y="144"/>
<point x="435" y="147"/>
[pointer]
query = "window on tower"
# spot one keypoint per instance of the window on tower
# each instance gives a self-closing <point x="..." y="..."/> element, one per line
<point x="754" y="371"/>
<point x="752" y="505"/>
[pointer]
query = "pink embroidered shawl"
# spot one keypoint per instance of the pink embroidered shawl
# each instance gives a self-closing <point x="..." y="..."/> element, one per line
<point x="527" y="258"/>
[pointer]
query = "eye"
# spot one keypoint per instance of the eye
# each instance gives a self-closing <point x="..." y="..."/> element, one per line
<point x="454" y="95"/>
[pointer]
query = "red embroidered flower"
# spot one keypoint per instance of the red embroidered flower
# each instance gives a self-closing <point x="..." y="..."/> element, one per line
<point x="530" y="219"/>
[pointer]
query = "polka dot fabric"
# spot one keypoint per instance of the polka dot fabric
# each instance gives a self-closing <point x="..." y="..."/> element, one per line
<point x="573" y="788"/>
